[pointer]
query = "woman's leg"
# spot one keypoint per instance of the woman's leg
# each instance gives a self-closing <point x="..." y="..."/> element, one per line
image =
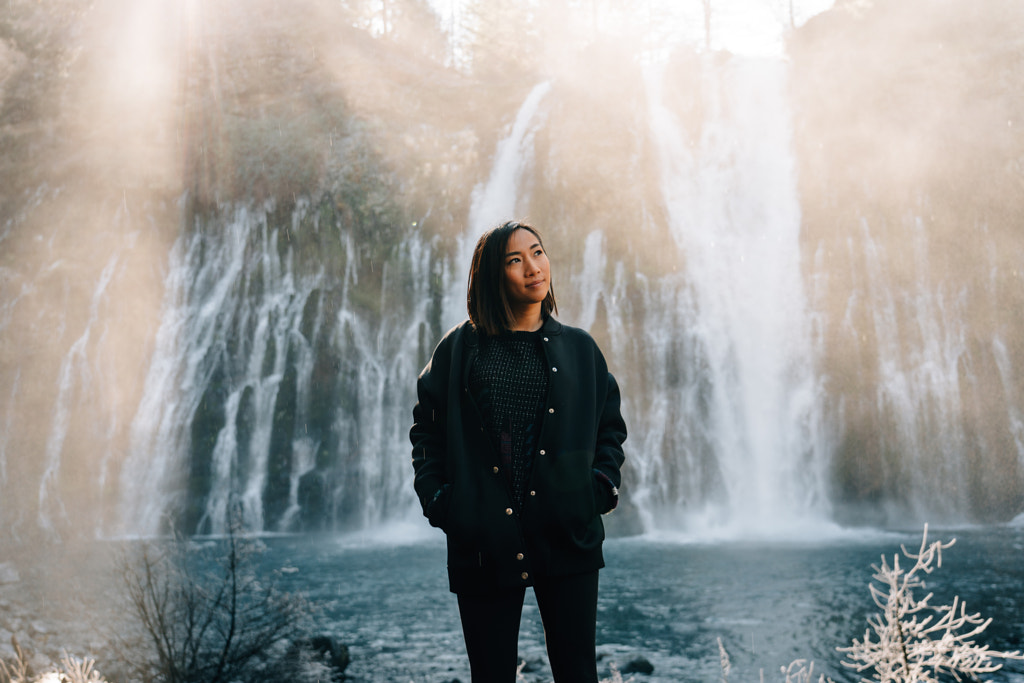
<point x="490" y="625"/>
<point x="568" y="608"/>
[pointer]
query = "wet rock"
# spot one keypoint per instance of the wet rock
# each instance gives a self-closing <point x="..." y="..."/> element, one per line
<point x="313" y="499"/>
<point x="335" y="653"/>
<point x="533" y="665"/>
<point x="324" y="649"/>
<point x="638" y="665"/>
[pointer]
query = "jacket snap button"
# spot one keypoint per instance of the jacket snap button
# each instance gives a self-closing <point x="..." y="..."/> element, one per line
<point x="508" y="511"/>
<point x="519" y="556"/>
<point x="541" y="451"/>
<point x="495" y="469"/>
<point x="525" y="576"/>
<point x="551" y="410"/>
<point x="545" y="338"/>
<point x="554" y="369"/>
<point x="533" y="493"/>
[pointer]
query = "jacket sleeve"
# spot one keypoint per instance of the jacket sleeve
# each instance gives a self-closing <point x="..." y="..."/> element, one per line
<point x="611" y="433"/>
<point x="429" y="434"/>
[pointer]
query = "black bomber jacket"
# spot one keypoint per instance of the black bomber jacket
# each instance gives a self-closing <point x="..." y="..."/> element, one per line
<point x="575" y="472"/>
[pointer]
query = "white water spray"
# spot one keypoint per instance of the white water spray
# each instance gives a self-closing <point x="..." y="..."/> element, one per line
<point x="74" y="373"/>
<point x="919" y="383"/>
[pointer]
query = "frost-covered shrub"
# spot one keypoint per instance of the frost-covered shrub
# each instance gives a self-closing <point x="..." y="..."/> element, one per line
<point x="912" y="641"/>
<point x="71" y="670"/>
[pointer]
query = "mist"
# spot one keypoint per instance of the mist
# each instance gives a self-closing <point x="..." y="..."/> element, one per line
<point x="231" y="235"/>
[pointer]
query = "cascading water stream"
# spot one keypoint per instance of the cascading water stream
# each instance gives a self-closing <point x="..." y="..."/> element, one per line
<point x="207" y="280"/>
<point x="375" y="429"/>
<point x="8" y="424"/>
<point x="920" y="382"/>
<point x="738" y="312"/>
<point x="74" y="372"/>
<point x="1002" y="359"/>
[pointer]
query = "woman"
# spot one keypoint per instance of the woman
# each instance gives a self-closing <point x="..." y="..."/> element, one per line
<point x="517" y="445"/>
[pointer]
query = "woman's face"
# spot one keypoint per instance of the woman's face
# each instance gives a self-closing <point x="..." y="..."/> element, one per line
<point x="527" y="271"/>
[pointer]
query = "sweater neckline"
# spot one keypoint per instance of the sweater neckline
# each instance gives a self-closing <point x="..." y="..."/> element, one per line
<point x="520" y="334"/>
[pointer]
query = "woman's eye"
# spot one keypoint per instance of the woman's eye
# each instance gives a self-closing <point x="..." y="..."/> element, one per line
<point x="512" y="260"/>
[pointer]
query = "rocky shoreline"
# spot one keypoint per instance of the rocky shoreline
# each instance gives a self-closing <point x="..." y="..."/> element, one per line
<point x="71" y="604"/>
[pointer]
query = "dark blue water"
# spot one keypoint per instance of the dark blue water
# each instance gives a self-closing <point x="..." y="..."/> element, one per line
<point x="669" y="602"/>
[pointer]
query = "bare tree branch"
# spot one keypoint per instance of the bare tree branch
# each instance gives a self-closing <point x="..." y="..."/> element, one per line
<point x="204" y="618"/>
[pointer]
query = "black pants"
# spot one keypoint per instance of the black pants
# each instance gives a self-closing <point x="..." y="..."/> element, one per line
<point x="568" y="609"/>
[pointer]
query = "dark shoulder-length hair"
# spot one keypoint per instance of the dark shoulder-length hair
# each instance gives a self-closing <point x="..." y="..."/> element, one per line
<point x="487" y="300"/>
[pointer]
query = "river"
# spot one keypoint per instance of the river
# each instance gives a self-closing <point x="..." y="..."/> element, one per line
<point x="668" y="601"/>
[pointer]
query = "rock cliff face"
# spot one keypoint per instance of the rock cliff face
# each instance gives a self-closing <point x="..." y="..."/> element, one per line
<point x="230" y="238"/>
<point x="908" y="119"/>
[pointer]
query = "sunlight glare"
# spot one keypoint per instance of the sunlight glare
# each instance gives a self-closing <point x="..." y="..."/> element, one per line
<point x="754" y="28"/>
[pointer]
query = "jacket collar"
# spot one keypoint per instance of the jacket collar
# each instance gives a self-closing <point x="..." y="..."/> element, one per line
<point x="550" y="327"/>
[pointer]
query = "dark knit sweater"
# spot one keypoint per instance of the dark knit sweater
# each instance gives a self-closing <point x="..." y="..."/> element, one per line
<point x="509" y="383"/>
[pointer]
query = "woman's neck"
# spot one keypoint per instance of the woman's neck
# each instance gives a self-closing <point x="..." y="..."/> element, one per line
<point x="529" y="320"/>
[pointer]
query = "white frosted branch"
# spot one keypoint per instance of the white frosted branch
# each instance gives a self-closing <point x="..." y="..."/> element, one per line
<point x="911" y="641"/>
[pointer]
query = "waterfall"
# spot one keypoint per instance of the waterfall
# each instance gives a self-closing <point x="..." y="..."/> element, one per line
<point x="377" y="486"/>
<point x="8" y="425"/>
<point x="742" y="429"/>
<point x="233" y="352"/>
<point x="74" y="371"/>
<point x="725" y="416"/>
<point x="493" y="202"/>
<point x="203" y="309"/>
<point x="226" y="424"/>
<point x="787" y="361"/>
<point x="919" y="383"/>
<point x="1016" y="418"/>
